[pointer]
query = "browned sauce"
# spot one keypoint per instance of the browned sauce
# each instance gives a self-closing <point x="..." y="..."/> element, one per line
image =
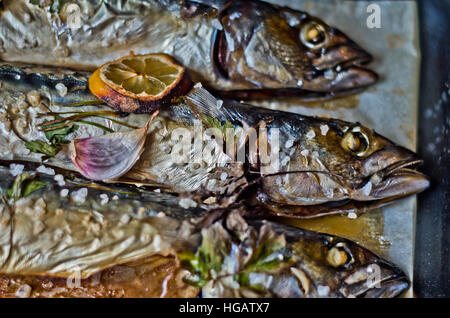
<point x="367" y="229"/>
<point x="286" y="103"/>
<point x="350" y="101"/>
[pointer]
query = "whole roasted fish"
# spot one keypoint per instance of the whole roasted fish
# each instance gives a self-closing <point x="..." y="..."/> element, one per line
<point x="243" y="49"/>
<point x="60" y="236"/>
<point x="310" y="166"/>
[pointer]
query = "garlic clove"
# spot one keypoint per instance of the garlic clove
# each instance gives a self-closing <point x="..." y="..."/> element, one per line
<point x="109" y="156"/>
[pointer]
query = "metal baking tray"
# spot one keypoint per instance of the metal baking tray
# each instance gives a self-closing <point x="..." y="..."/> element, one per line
<point x="432" y="252"/>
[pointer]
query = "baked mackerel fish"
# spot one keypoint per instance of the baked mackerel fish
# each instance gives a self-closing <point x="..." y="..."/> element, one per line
<point x="64" y="237"/>
<point x="243" y="49"/>
<point x="310" y="166"/>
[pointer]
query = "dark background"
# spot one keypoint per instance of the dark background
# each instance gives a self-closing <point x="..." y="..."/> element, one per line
<point x="432" y="253"/>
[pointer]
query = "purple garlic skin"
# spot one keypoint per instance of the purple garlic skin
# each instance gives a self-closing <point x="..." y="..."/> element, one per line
<point x="109" y="156"/>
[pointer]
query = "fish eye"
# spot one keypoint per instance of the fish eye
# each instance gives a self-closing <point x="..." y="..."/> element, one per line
<point x="356" y="141"/>
<point x="313" y="35"/>
<point x="340" y="255"/>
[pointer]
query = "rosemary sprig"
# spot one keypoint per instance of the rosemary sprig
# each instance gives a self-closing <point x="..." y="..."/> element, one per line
<point x="77" y="116"/>
<point x="80" y="104"/>
<point x="104" y="128"/>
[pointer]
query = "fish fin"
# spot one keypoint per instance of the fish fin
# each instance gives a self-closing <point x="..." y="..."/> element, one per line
<point x="203" y="103"/>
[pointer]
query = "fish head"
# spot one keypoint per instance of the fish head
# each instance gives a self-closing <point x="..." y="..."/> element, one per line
<point x="331" y="266"/>
<point x="350" y="270"/>
<point x="339" y="167"/>
<point x="366" y="165"/>
<point x="371" y="166"/>
<point x="273" y="48"/>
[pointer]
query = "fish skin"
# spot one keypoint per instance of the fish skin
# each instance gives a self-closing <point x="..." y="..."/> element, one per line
<point x="315" y="174"/>
<point x="241" y="49"/>
<point x="332" y="178"/>
<point x="90" y="254"/>
<point x="55" y="235"/>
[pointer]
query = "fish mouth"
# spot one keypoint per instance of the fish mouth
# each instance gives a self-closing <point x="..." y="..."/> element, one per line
<point x="380" y="279"/>
<point x="349" y="73"/>
<point x="342" y="72"/>
<point x="343" y="56"/>
<point x="397" y="180"/>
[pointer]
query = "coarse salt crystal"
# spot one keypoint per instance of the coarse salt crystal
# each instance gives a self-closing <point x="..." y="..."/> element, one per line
<point x="367" y="188"/>
<point x="223" y="176"/>
<point x="285" y="161"/>
<point x="289" y="143"/>
<point x="60" y="180"/>
<point x="115" y="197"/>
<point x="157" y="190"/>
<point x="15" y="169"/>
<point x="352" y="215"/>
<point x="310" y="135"/>
<point x="63" y="193"/>
<point x="198" y="85"/>
<point x="34" y="98"/>
<point x="187" y="203"/>
<point x="324" y="129"/>
<point x="291" y="152"/>
<point x="219" y="103"/>
<point x="45" y="170"/>
<point x="216" y="24"/>
<point x="79" y="196"/>
<point x="304" y="153"/>
<point x="329" y="74"/>
<point x="62" y="89"/>
<point x="323" y="290"/>
<point x="24" y="291"/>
<point x="104" y="198"/>
<point x="157" y="241"/>
<point x="125" y="219"/>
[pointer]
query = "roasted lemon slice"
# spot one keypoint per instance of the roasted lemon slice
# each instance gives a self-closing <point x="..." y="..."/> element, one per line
<point x="139" y="83"/>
